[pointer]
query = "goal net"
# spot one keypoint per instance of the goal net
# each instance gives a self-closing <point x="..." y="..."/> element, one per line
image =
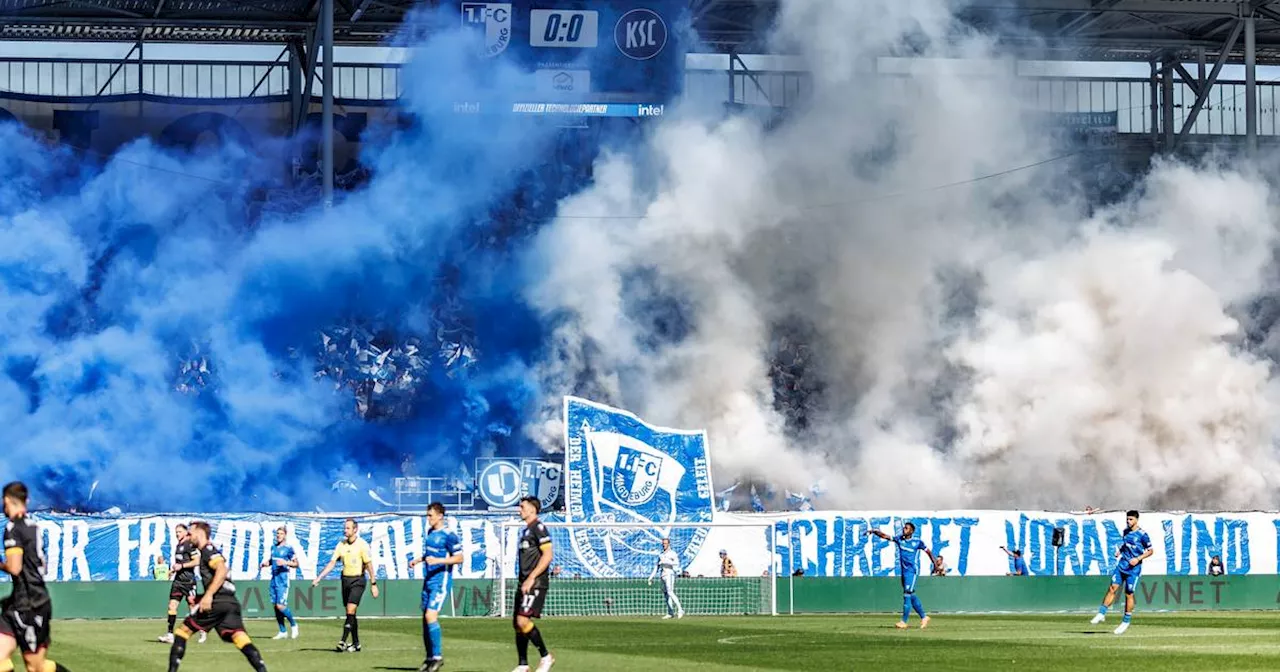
<point x="605" y="569"/>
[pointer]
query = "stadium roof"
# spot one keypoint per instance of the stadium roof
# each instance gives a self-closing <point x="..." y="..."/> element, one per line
<point x="1077" y="29"/>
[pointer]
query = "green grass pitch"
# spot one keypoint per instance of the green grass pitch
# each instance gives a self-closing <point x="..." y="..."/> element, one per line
<point x="1236" y="642"/>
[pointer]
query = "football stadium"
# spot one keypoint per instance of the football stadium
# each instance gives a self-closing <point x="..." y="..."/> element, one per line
<point x="616" y="335"/>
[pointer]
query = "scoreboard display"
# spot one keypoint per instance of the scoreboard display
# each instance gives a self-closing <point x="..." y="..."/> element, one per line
<point x="590" y="58"/>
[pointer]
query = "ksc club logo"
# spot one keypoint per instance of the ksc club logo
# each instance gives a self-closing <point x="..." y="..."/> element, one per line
<point x="640" y="34"/>
<point x="619" y="469"/>
<point x="493" y="20"/>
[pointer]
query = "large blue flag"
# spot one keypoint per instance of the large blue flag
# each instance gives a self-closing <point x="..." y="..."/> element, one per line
<point x="620" y="469"/>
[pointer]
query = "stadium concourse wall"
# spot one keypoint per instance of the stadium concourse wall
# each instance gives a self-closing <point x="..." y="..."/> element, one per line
<point x="796" y="595"/>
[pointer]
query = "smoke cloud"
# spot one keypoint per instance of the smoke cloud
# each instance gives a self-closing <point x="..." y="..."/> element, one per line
<point x="863" y="296"/>
<point x="163" y="349"/>
<point x="810" y="295"/>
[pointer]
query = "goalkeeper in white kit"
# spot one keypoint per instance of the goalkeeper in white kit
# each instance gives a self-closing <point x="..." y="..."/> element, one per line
<point x="669" y="564"/>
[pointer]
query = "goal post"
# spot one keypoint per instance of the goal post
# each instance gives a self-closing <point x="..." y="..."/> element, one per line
<point x="603" y="569"/>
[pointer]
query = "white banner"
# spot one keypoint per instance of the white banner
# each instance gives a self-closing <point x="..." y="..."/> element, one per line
<point x="836" y="544"/>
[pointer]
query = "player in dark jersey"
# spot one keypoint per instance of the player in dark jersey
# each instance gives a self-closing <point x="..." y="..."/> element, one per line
<point x="183" y="586"/>
<point x="535" y="558"/>
<point x="25" y="614"/>
<point x="218" y="610"/>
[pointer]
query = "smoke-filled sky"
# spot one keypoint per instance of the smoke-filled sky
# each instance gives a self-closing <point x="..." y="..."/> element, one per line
<point x="996" y="344"/>
<point x="999" y="343"/>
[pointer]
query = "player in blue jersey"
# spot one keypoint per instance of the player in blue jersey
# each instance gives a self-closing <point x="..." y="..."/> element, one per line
<point x="443" y="551"/>
<point x="909" y="568"/>
<point x="1134" y="548"/>
<point x="283" y="561"/>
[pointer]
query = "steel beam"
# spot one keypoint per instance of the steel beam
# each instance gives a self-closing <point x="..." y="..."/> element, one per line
<point x="1083" y="21"/>
<point x="309" y="76"/>
<point x="1213" y="79"/>
<point x="119" y="66"/>
<point x="1155" y="104"/>
<point x="1172" y="7"/>
<point x="326" y="120"/>
<point x="1187" y="79"/>
<point x="1251" y="84"/>
<point x="1166" y="99"/>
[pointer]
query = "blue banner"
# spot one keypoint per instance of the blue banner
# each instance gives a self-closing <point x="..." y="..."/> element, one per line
<point x="620" y="469"/>
<point x="113" y="548"/>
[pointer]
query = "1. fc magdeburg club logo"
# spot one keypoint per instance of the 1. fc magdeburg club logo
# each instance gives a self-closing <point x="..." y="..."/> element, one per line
<point x="491" y="19"/>
<point x="616" y="477"/>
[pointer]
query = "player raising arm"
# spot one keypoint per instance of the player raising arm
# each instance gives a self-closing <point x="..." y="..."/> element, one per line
<point x="909" y="568"/>
<point x="356" y="565"/>
<point x="669" y="564"/>
<point x="444" y="550"/>
<point x="25" y="614"/>
<point x="283" y="560"/>
<point x="535" y="558"/>
<point x="219" y="608"/>
<point x="1134" y="548"/>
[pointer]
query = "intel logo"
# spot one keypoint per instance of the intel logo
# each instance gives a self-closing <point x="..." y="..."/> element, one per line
<point x="651" y="110"/>
<point x="640" y="34"/>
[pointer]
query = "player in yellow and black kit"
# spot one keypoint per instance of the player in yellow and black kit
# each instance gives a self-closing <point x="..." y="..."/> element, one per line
<point x="25" y="614"/>
<point x="218" y="609"/>
<point x="183" y="587"/>
<point x="354" y="554"/>
<point x="535" y="558"/>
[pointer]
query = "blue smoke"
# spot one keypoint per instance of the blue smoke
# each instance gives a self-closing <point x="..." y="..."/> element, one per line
<point x="165" y="348"/>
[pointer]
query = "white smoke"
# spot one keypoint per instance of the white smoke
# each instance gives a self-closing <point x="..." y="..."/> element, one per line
<point x="1096" y="362"/>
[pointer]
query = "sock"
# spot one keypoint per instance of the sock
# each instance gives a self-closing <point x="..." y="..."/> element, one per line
<point x="437" y="649"/>
<point x="1127" y="617"/>
<point x="426" y="636"/>
<point x="176" y="652"/>
<point x="288" y="613"/>
<point x="173" y="618"/>
<point x="1102" y="610"/>
<point x="915" y="603"/>
<point x="522" y="647"/>
<point x="346" y="628"/>
<point x="355" y="630"/>
<point x="536" y="637"/>
<point x="280" y="619"/>
<point x="254" y="657"/>
<point x="906" y="608"/>
<point x="50" y="666"/>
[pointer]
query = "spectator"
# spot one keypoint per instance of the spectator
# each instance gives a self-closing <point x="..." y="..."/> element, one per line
<point x="940" y="566"/>
<point x="1215" y="566"/>
<point x="727" y="570"/>
<point x="1019" y="565"/>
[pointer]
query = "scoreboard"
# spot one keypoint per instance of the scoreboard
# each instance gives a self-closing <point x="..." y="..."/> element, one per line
<point x="589" y="58"/>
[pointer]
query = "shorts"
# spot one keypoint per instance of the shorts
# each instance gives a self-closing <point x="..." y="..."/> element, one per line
<point x="909" y="577"/>
<point x="30" y="628"/>
<point x="353" y="589"/>
<point x="530" y="604"/>
<point x="182" y="590"/>
<point x="1128" y="578"/>
<point x="278" y="590"/>
<point x="222" y="617"/>
<point x="435" y="593"/>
